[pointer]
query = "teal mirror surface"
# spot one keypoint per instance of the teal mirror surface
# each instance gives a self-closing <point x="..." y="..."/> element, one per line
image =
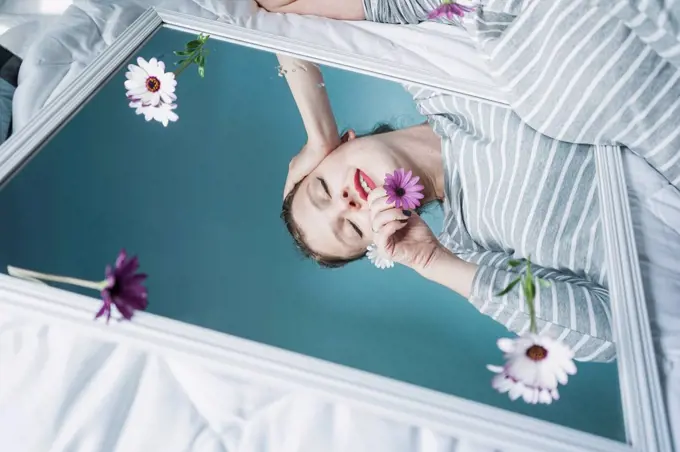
<point x="199" y="203"/>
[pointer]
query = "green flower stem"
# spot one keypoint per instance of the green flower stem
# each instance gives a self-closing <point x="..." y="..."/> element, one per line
<point x="193" y="56"/>
<point x="529" y="295"/>
<point x="31" y="275"/>
<point x="187" y="63"/>
<point x="532" y="308"/>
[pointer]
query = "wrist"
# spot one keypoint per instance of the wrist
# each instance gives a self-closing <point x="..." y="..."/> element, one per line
<point x="449" y="270"/>
<point x="437" y="256"/>
<point x="324" y="141"/>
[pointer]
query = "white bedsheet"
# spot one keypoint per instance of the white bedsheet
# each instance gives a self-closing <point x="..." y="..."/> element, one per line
<point x="22" y="21"/>
<point x="63" y="391"/>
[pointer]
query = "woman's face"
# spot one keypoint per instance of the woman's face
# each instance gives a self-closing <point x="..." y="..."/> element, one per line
<point x="330" y="206"/>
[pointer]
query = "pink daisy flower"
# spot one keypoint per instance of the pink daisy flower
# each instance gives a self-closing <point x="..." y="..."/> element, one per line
<point x="403" y="189"/>
<point x="449" y="9"/>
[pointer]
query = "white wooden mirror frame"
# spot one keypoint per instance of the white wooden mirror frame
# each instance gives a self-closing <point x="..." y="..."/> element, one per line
<point x="643" y="406"/>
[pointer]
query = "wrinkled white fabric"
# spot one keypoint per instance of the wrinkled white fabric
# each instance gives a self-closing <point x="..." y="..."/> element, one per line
<point x="61" y="390"/>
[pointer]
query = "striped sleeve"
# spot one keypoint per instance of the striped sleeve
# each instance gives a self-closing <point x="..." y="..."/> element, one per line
<point x="416" y="11"/>
<point x="655" y="22"/>
<point x="399" y="11"/>
<point x="594" y="73"/>
<point x="571" y="308"/>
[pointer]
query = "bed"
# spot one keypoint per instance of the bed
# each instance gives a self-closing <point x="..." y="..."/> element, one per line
<point x="63" y="390"/>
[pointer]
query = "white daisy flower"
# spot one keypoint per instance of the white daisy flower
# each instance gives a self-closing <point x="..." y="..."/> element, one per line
<point x="534" y="366"/>
<point x="149" y="82"/>
<point x="162" y="112"/>
<point x="377" y="259"/>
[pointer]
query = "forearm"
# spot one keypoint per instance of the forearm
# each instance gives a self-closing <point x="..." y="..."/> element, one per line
<point x="450" y="271"/>
<point x="333" y="9"/>
<point x="306" y="84"/>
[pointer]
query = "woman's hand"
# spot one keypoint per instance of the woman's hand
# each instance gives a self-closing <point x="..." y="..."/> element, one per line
<point x="401" y="235"/>
<point x="305" y="162"/>
<point x="406" y="239"/>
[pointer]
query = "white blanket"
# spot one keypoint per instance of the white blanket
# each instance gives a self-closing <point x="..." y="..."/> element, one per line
<point x="61" y="390"/>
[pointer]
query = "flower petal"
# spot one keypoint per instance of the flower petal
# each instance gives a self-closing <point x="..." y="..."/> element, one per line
<point x="415" y="190"/>
<point x="517" y="391"/>
<point x="103" y="310"/>
<point x="544" y="397"/>
<point x="569" y="367"/>
<point x="546" y="376"/>
<point x="495" y="369"/>
<point x="165" y="97"/>
<point x="136" y="71"/>
<point x="506" y="345"/>
<point x="522" y="369"/>
<point x="135" y="85"/>
<point x="168" y="81"/>
<point x="411" y="182"/>
<point x="142" y="63"/>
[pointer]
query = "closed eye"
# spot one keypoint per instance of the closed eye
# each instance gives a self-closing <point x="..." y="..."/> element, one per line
<point x="356" y="228"/>
<point x="325" y="187"/>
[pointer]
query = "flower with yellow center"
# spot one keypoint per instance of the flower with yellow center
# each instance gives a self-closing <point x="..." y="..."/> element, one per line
<point x="148" y="83"/>
<point x="533" y="368"/>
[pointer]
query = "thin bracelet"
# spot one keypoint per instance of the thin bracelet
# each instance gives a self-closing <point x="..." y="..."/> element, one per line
<point x="281" y="71"/>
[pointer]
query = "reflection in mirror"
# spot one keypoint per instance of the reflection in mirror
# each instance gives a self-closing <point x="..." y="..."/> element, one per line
<point x="200" y="201"/>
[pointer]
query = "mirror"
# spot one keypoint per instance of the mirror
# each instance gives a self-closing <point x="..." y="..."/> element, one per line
<point x="199" y="202"/>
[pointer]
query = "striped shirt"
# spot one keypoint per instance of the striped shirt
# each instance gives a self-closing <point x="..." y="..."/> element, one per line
<point x="512" y="193"/>
<point x="580" y="71"/>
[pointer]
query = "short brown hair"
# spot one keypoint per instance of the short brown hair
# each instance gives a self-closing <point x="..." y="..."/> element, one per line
<point x="296" y="233"/>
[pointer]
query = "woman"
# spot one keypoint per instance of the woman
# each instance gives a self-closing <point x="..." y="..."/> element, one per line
<point x="492" y="212"/>
<point x="551" y="214"/>
<point x="575" y="72"/>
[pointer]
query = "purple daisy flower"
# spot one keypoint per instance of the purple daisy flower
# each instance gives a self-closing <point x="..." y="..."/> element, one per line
<point x="403" y="189"/>
<point x="449" y="9"/>
<point x="123" y="288"/>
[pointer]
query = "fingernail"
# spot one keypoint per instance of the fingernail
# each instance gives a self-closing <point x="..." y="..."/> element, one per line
<point x="406" y="212"/>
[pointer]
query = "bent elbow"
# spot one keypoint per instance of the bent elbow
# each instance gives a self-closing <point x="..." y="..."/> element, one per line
<point x="274" y="6"/>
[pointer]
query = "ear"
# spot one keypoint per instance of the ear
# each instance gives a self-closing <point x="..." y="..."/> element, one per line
<point x="348" y="136"/>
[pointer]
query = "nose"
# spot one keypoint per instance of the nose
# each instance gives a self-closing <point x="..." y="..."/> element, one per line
<point x="350" y="201"/>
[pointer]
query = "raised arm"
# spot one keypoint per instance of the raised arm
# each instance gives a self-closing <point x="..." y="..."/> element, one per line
<point x="307" y="86"/>
<point x="571" y="308"/>
<point x="384" y="11"/>
<point x="333" y="9"/>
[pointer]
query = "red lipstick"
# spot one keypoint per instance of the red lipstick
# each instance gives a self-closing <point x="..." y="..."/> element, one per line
<point x="358" y="176"/>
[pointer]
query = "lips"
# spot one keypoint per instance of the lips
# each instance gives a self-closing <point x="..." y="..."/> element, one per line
<point x="361" y="180"/>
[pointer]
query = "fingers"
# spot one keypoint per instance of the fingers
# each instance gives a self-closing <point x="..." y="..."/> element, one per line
<point x="380" y="219"/>
<point x="382" y="212"/>
<point x="375" y="194"/>
<point x="382" y="237"/>
<point x="377" y="202"/>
